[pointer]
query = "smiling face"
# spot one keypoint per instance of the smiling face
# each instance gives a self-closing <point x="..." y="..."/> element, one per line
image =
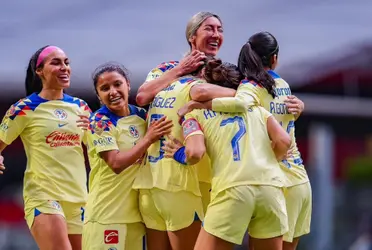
<point x="209" y="37"/>
<point x="113" y="91"/>
<point x="55" y="71"/>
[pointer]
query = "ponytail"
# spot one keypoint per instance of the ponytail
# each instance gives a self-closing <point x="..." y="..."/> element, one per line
<point x="220" y="73"/>
<point x="252" y="67"/>
<point x="33" y="82"/>
<point x="223" y="74"/>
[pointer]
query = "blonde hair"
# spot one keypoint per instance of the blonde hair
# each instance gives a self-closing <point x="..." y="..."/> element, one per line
<point x="196" y="21"/>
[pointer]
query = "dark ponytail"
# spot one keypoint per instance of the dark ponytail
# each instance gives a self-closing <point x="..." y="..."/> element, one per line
<point x="255" y="55"/>
<point x="33" y="82"/>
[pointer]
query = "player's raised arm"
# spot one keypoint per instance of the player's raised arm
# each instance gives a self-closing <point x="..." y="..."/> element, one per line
<point x="194" y="141"/>
<point x="206" y="92"/>
<point x="246" y="97"/>
<point x="221" y="95"/>
<point x="157" y="79"/>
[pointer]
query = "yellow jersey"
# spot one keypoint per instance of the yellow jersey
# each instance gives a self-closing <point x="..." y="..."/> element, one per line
<point x="111" y="198"/>
<point x="166" y="173"/>
<point x="249" y="94"/>
<point x="160" y="70"/>
<point x="293" y="166"/>
<point x="239" y="147"/>
<point x="204" y="174"/>
<point x="49" y="133"/>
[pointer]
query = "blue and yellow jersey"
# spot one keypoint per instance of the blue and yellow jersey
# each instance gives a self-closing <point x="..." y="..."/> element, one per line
<point x="161" y="69"/>
<point x="239" y="147"/>
<point x="293" y="166"/>
<point x="111" y="198"/>
<point x="49" y="133"/>
<point x="166" y="173"/>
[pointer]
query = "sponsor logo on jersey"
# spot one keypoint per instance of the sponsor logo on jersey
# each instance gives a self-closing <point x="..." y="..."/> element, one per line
<point x="104" y="141"/>
<point x="60" y="114"/>
<point x="60" y="125"/>
<point x="111" y="236"/>
<point x="59" y="139"/>
<point x="4" y="127"/>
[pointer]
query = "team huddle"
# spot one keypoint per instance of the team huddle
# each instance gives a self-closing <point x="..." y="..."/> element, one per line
<point x="213" y="157"/>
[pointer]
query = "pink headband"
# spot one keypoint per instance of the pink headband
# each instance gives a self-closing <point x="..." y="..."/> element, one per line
<point x="44" y="53"/>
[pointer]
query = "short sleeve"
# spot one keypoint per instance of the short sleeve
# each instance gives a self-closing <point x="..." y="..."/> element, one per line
<point x="253" y="89"/>
<point x="140" y="112"/>
<point x="160" y="70"/>
<point x="247" y="95"/>
<point x="84" y="108"/>
<point x="265" y="114"/>
<point x="191" y="82"/>
<point x="13" y="124"/>
<point x="102" y="136"/>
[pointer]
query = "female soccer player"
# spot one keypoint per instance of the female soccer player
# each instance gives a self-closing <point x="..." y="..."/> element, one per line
<point x="116" y="143"/>
<point x="262" y="86"/>
<point x="204" y="34"/>
<point x="261" y="52"/>
<point x="49" y="123"/>
<point x="246" y="178"/>
<point x="170" y="199"/>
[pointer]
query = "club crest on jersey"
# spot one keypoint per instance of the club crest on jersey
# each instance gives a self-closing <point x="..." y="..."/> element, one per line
<point x="133" y="131"/>
<point x="11" y="111"/>
<point x="60" y="113"/>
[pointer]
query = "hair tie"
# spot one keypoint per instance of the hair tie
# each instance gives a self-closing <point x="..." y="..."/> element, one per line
<point x="44" y="53"/>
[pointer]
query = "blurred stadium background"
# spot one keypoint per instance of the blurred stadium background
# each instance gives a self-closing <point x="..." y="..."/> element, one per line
<point x="325" y="55"/>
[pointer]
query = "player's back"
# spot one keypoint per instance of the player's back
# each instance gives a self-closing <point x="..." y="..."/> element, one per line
<point x="168" y="174"/>
<point x="292" y="166"/>
<point x="239" y="148"/>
